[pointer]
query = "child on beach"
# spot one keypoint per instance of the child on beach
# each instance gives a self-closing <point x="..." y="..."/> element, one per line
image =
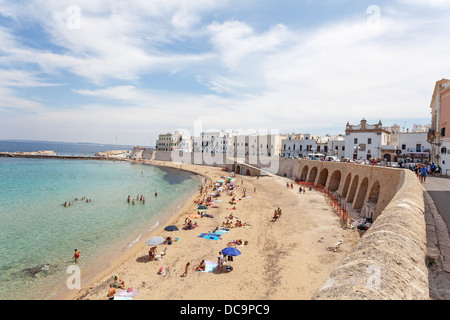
<point x="76" y="255"/>
<point x="186" y="269"/>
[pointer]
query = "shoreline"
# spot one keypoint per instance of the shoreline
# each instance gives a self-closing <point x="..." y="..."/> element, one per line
<point x="156" y="227"/>
<point x="265" y="254"/>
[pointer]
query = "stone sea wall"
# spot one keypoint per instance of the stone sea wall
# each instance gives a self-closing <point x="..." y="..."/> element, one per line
<point x="388" y="263"/>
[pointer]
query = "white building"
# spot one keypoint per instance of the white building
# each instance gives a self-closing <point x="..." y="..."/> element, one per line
<point x="409" y="146"/>
<point x="174" y="141"/>
<point x="256" y="145"/>
<point x="336" y="146"/>
<point x="365" y="141"/>
<point x="298" y="145"/>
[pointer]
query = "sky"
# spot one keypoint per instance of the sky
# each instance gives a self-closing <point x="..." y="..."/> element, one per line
<point x="113" y="71"/>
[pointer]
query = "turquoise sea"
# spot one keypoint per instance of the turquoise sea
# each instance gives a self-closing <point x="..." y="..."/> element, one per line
<point x="38" y="234"/>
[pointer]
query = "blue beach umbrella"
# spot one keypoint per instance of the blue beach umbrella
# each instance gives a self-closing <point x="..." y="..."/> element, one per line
<point x="230" y="251"/>
<point x="171" y="228"/>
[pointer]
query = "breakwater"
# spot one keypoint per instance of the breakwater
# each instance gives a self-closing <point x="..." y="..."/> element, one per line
<point x="68" y="157"/>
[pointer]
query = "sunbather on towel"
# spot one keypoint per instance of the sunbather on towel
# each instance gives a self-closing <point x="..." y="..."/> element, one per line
<point x="201" y="266"/>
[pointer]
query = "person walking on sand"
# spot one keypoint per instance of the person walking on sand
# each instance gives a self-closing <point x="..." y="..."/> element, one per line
<point x="220" y="261"/>
<point x="76" y="255"/>
<point x="186" y="269"/>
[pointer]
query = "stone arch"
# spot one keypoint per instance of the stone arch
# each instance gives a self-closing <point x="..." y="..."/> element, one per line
<point x="372" y="200"/>
<point x="238" y="170"/>
<point x="335" y="181"/>
<point x="323" y="176"/>
<point x="312" y="175"/>
<point x="352" y="191"/>
<point x="387" y="156"/>
<point x="359" y="200"/>
<point x="304" y="173"/>
<point x="247" y="173"/>
<point x="346" y="185"/>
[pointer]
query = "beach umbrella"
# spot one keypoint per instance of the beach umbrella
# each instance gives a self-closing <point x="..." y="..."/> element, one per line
<point x="171" y="228"/>
<point x="195" y="216"/>
<point x="202" y="207"/>
<point x="155" y="241"/>
<point x="230" y="251"/>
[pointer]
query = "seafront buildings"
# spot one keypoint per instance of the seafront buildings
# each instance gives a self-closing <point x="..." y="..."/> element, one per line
<point x="361" y="142"/>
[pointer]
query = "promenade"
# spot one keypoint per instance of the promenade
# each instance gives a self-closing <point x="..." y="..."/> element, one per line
<point x="437" y="216"/>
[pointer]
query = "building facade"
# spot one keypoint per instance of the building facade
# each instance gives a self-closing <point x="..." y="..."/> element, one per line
<point x="366" y="141"/>
<point x="439" y="132"/>
<point x="174" y="141"/>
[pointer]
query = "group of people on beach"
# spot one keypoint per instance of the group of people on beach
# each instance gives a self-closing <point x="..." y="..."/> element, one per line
<point x="277" y="214"/>
<point x="69" y="203"/>
<point x="207" y="200"/>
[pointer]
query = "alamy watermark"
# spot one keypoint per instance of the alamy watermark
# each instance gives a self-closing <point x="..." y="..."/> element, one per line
<point x="260" y="148"/>
<point x="74" y="280"/>
<point x="374" y="19"/>
<point x="73" y="22"/>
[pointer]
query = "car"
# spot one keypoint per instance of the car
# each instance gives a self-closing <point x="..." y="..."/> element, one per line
<point x="392" y="164"/>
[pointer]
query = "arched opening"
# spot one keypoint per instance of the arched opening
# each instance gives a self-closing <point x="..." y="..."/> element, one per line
<point x="238" y="170"/>
<point x="352" y="191"/>
<point x="335" y="180"/>
<point x="323" y="176"/>
<point x="359" y="201"/>
<point x="372" y="201"/>
<point x="312" y="175"/>
<point x="387" y="157"/>
<point x="346" y="185"/>
<point x="304" y="173"/>
<point x="247" y="173"/>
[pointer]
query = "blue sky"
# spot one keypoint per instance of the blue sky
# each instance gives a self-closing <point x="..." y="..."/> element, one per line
<point x="96" y="70"/>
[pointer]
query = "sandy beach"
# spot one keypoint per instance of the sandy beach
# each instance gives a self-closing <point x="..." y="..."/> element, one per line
<point x="283" y="260"/>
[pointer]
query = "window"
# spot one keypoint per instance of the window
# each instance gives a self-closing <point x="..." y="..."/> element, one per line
<point x="443" y="132"/>
<point x="369" y="141"/>
<point x="403" y="146"/>
<point x="355" y="141"/>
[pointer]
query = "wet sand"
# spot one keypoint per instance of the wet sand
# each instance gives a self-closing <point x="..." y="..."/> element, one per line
<point x="284" y="260"/>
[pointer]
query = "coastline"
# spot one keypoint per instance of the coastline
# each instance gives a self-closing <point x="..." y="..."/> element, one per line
<point x="286" y="259"/>
<point x="104" y="269"/>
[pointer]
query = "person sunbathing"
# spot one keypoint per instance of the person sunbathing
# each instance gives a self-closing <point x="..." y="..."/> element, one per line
<point x="234" y="243"/>
<point x="201" y="266"/>
<point x="119" y="283"/>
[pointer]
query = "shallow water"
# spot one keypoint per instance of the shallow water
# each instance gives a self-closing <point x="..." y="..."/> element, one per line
<point x="38" y="234"/>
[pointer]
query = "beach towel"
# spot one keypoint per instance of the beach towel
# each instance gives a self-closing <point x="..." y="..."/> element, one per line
<point x="210" y="266"/>
<point x="212" y="236"/>
<point x="126" y="293"/>
<point x="221" y="231"/>
<point x="122" y="298"/>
